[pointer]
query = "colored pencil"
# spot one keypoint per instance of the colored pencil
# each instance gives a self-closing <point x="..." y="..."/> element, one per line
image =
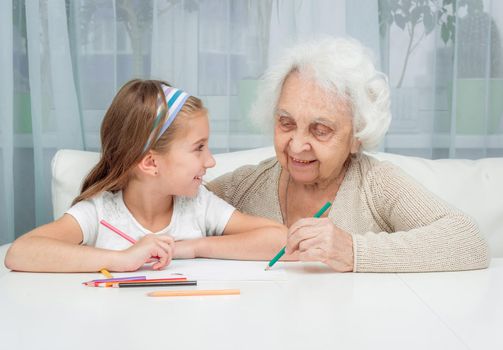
<point x="195" y="292"/>
<point x="282" y="251"/>
<point x="105" y="273"/>
<point x="156" y="280"/>
<point x="131" y="278"/>
<point x="108" y="280"/>
<point x="154" y="284"/>
<point x="119" y="232"/>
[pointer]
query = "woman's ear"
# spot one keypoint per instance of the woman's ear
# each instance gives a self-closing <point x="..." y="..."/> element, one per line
<point x="355" y="145"/>
<point x="148" y="164"/>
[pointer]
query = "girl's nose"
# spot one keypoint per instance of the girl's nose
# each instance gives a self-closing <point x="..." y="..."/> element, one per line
<point x="210" y="161"/>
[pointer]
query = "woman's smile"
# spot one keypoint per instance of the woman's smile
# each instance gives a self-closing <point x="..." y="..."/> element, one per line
<point x="302" y="163"/>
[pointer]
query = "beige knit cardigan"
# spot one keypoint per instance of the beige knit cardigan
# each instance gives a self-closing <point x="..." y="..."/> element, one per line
<point x="396" y="224"/>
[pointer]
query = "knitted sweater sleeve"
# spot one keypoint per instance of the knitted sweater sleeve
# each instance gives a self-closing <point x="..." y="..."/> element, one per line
<point x="420" y="232"/>
<point x="229" y="186"/>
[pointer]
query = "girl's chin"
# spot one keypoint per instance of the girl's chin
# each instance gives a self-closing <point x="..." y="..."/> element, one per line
<point x="190" y="191"/>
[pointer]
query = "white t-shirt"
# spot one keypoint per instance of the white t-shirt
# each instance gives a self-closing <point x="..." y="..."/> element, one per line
<point x="193" y="217"/>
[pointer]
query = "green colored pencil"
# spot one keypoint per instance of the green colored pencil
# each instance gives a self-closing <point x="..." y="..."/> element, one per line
<point x="282" y="251"/>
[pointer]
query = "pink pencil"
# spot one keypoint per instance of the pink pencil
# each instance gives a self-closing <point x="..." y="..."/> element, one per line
<point x="119" y="232"/>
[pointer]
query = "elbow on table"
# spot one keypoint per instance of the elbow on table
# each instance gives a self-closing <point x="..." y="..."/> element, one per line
<point x="477" y="251"/>
<point x="13" y="258"/>
<point x="484" y="253"/>
<point x="10" y="261"/>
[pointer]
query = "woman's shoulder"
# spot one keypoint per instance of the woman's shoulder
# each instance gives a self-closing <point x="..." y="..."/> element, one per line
<point x="239" y="181"/>
<point x="375" y="169"/>
<point x="385" y="179"/>
<point x="249" y="172"/>
<point x="263" y="169"/>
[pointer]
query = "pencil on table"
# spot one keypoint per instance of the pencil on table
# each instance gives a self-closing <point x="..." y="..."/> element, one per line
<point x="105" y="273"/>
<point x="131" y="278"/>
<point x="110" y="282"/>
<point x="154" y="284"/>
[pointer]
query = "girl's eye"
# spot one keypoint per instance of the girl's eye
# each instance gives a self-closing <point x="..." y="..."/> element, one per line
<point x="200" y="147"/>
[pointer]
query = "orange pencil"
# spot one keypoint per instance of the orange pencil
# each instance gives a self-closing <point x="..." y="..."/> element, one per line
<point x="195" y="292"/>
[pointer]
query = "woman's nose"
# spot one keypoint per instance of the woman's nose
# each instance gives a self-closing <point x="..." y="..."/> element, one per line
<point x="299" y="143"/>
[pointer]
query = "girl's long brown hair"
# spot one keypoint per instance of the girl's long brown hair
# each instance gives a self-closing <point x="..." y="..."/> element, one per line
<point x="125" y="129"/>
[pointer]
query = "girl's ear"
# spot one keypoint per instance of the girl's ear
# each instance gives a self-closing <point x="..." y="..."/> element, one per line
<point x="148" y="164"/>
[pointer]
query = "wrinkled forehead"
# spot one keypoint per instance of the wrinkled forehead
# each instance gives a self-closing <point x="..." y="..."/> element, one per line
<point x="302" y="95"/>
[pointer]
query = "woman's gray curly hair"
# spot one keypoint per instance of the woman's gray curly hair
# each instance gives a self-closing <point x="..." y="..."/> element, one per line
<point x="343" y="67"/>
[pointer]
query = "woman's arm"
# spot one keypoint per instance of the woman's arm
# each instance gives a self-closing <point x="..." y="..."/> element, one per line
<point x="426" y="233"/>
<point x="55" y="247"/>
<point x="420" y="233"/>
<point x="245" y="237"/>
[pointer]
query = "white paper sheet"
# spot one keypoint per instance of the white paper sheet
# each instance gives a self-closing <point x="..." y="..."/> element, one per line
<point x="225" y="270"/>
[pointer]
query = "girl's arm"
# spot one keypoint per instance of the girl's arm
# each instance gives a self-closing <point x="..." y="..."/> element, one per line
<point x="55" y="247"/>
<point x="245" y="237"/>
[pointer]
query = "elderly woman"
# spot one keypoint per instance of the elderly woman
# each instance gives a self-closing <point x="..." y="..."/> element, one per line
<point x="328" y="104"/>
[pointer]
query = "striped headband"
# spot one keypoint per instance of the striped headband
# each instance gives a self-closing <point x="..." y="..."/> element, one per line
<point x="175" y="98"/>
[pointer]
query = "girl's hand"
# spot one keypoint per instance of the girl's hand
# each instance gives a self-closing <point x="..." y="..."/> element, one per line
<point x="150" y="248"/>
<point x="185" y="249"/>
<point x="320" y="240"/>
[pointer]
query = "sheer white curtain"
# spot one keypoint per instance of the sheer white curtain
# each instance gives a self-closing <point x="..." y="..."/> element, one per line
<point x="62" y="62"/>
<point x="39" y="109"/>
<point x="444" y="60"/>
<point x="6" y="123"/>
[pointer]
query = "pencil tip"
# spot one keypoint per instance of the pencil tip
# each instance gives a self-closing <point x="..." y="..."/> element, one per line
<point x="267" y="268"/>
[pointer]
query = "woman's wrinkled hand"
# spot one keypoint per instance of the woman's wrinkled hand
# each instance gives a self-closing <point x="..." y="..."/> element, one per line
<point x="150" y="248"/>
<point x="320" y="240"/>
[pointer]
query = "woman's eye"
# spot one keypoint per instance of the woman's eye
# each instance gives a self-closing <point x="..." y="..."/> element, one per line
<point x="321" y="131"/>
<point x="286" y="124"/>
<point x="200" y="147"/>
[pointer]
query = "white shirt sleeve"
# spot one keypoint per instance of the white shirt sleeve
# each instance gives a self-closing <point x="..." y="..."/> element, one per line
<point x="87" y="216"/>
<point x="217" y="212"/>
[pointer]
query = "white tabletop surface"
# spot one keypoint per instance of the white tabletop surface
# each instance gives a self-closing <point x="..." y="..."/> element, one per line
<point x="312" y="308"/>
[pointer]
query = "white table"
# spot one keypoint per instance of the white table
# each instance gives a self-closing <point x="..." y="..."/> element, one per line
<point x="312" y="309"/>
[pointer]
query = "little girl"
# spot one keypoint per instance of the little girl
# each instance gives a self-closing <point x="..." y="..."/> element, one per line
<point x="147" y="184"/>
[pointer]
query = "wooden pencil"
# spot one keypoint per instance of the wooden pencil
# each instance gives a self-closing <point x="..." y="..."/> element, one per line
<point x="109" y="283"/>
<point x="106" y="273"/>
<point x="154" y="284"/>
<point x="119" y="232"/>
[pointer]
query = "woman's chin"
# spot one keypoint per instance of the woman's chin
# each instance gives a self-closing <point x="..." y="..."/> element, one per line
<point x="303" y="177"/>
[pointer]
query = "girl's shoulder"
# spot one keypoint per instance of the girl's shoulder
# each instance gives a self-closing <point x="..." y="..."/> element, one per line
<point x="103" y="202"/>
